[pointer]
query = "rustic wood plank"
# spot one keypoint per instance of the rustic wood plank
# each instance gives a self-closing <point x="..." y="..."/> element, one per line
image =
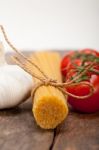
<point x="19" y="131"/>
<point x="78" y="132"/>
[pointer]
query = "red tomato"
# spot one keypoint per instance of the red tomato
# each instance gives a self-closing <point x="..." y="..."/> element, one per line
<point x="67" y="64"/>
<point x="66" y="61"/>
<point x="90" y="51"/>
<point x="93" y="52"/>
<point x="90" y="104"/>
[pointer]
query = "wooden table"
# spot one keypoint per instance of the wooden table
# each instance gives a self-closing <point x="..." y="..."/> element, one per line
<point x="19" y="131"/>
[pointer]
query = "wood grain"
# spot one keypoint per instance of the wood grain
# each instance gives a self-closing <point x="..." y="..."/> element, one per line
<point x="18" y="130"/>
<point x="78" y="132"/>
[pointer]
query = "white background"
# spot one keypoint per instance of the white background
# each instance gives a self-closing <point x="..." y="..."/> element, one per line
<point x="51" y="24"/>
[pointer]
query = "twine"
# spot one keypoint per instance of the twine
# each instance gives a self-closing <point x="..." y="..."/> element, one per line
<point x="45" y="80"/>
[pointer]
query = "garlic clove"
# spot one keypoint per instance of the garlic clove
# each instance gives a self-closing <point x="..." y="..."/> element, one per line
<point x="15" y="86"/>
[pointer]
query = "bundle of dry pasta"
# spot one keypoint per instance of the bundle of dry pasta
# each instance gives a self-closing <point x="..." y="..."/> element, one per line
<point x="49" y="103"/>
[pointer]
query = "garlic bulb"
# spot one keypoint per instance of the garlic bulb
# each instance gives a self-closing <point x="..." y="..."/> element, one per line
<point x="15" y="84"/>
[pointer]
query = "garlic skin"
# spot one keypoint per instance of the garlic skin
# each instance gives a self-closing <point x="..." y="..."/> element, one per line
<point x="15" y="86"/>
<point x="15" y="83"/>
<point x="2" y="55"/>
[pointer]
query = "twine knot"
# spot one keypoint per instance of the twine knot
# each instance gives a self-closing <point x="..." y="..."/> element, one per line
<point x="45" y="81"/>
<point x="49" y="81"/>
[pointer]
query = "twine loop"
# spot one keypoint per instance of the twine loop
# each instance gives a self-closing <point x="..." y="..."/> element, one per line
<point x="45" y="80"/>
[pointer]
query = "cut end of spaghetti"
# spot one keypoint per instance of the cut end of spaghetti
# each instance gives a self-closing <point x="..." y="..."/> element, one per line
<point x="49" y="111"/>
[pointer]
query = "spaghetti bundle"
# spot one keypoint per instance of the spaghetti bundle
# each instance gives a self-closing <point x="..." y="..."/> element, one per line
<point x="49" y="99"/>
<point x="49" y="103"/>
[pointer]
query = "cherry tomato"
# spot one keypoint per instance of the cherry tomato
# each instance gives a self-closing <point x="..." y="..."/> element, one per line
<point x="67" y="63"/>
<point x="90" y="104"/>
<point x="90" y="51"/>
